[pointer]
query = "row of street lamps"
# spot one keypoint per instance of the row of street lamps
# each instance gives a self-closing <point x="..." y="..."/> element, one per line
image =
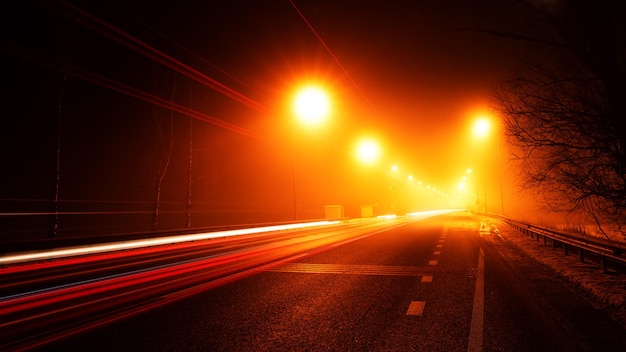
<point x="311" y="106"/>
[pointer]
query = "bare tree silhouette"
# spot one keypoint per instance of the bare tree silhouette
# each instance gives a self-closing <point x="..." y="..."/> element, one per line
<point x="563" y="114"/>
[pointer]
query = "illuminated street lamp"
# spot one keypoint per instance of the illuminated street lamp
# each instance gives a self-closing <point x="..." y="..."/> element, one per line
<point x="367" y="152"/>
<point x="393" y="188"/>
<point x="311" y="106"/>
<point x="464" y="187"/>
<point x="482" y="128"/>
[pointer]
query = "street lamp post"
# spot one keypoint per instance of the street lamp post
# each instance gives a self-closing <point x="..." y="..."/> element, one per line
<point x="367" y="152"/>
<point x="467" y="179"/>
<point x="499" y="161"/>
<point x="482" y="127"/>
<point x="310" y="106"/>
<point x="393" y="189"/>
<point x="293" y="164"/>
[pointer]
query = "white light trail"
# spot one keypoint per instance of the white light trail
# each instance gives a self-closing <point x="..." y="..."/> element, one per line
<point x="116" y="246"/>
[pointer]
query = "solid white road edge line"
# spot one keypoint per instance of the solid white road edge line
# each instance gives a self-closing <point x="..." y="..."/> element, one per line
<point x="475" y="343"/>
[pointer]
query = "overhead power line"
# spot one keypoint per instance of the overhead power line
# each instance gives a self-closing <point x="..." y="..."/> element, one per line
<point x="319" y="38"/>
<point x="86" y="19"/>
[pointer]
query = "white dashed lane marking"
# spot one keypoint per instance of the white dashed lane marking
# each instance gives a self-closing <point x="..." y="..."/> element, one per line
<point x="416" y="308"/>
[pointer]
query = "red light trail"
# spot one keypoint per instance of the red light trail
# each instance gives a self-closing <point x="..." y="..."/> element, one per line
<point x="34" y="317"/>
<point x="130" y="91"/>
<point x="111" y="32"/>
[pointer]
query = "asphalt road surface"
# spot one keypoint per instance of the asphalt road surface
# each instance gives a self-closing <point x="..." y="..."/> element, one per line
<point x="436" y="284"/>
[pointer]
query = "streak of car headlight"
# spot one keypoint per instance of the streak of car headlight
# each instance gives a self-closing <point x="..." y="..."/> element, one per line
<point x="116" y="246"/>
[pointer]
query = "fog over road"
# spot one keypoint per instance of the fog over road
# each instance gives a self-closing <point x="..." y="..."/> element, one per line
<point x="435" y="284"/>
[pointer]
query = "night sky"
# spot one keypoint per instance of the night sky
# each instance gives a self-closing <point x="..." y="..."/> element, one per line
<point x="413" y="74"/>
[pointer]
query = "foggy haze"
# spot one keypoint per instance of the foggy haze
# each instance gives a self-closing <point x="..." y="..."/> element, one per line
<point x="413" y="75"/>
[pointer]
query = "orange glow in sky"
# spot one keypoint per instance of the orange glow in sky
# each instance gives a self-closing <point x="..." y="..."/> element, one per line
<point x="259" y="118"/>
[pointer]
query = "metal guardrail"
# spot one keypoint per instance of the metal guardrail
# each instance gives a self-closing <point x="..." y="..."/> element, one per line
<point x="609" y="252"/>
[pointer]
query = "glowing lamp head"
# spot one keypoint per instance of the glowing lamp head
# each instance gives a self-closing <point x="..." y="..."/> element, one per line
<point x="311" y="105"/>
<point x="368" y="151"/>
<point x="482" y="127"/>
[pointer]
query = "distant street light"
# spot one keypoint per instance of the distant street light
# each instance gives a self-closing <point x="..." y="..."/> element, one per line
<point x="469" y="172"/>
<point x="368" y="151"/>
<point x="393" y="188"/>
<point x="311" y="106"/>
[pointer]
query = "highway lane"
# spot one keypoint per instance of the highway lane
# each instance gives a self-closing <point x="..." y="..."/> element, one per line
<point x="430" y="285"/>
<point x="40" y="274"/>
<point x="43" y="301"/>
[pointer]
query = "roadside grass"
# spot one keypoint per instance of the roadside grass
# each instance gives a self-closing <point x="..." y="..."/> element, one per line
<point x="606" y="292"/>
